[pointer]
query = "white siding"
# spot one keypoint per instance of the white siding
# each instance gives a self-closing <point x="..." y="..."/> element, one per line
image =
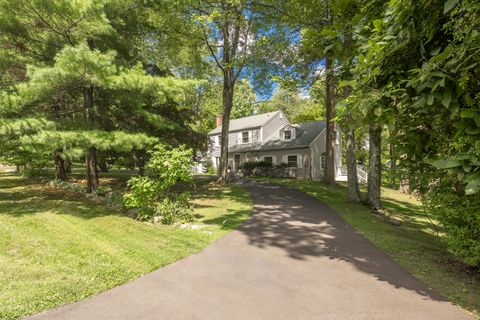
<point x="270" y="130"/>
<point x="317" y="148"/>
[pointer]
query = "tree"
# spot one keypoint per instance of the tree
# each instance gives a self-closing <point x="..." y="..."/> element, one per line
<point x="41" y="33"/>
<point x="229" y="31"/>
<point x="209" y="103"/>
<point x="297" y="108"/>
<point x="421" y="59"/>
<point x="374" y="166"/>
<point x="326" y="45"/>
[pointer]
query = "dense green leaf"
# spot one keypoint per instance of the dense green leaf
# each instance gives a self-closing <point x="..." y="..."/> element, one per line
<point x="449" y="5"/>
<point x="445" y="164"/>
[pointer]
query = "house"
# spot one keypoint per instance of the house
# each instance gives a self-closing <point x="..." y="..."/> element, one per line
<point x="271" y="137"/>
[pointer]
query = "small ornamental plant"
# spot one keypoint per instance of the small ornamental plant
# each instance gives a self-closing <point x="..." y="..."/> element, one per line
<point x="159" y="195"/>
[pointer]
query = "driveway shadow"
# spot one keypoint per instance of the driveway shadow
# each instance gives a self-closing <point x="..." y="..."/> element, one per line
<point x="305" y="228"/>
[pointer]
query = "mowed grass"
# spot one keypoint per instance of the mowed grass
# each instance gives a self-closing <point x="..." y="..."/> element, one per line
<point x="414" y="244"/>
<point x="57" y="247"/>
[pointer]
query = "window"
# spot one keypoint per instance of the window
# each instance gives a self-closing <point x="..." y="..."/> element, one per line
<point x="322" y="162"/>
<point x="292" y="161"/>
<point x="268" y="159"/>
<point x="245" y="137"/>
<point x="287" y="134"/>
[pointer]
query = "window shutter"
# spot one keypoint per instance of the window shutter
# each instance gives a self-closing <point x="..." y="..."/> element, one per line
<point x="299" y="161"/>
<point x="284" y="159"/>
<point x="239" y="137"/>
<point x="250" y="136"/>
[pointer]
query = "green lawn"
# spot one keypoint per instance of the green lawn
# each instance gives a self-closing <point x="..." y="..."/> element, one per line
<point x="414" y="244"/>
<point x="57" y="247"/>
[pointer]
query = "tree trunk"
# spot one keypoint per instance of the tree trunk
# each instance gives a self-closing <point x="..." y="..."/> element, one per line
<point x="393" y="166"/>
<point x="228" y="86"/>
<point x="141" y="160"/>
<point x="60" y="169"/>
<point x="92" y="173"/>
<point x="352" y="176"/>
<point x="329" y="173"/>
<point x="374" y="166"/>
<point x="91" y="152"/>
<point x="68" y="166"/>
<point x="102" y="164"/>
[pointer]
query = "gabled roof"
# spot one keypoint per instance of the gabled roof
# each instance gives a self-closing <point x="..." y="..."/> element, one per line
<point x="247" y="122"/>
<point x="305" y="134"/>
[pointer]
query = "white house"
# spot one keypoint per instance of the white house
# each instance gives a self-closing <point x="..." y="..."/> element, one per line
<point x="271" y="137"/>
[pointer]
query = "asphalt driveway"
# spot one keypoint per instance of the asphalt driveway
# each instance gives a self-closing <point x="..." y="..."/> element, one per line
<point x="294" y="258"/>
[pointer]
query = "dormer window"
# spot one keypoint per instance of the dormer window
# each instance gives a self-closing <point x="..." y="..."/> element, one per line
<point x="245" y="137"/>
<point x="287" y="135"/>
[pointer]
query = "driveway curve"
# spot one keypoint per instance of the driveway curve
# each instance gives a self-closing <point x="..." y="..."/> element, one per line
<point x="293" y="258"/>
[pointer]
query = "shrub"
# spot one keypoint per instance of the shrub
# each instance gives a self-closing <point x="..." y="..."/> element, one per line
<point x="67" y="185"/>
<point x="266" y="169"/>
<point x="255" y="164"/>
<point x="210" y="168"/>
<point x="175" y="209"/>
<point x="155" y="195"/>
<point x="103" y="191"/>
<point x="459" y="214"/>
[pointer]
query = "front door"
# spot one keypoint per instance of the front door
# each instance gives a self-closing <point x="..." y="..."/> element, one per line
<point x="236" y="162"/>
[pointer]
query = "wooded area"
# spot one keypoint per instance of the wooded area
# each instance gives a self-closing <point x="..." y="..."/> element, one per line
<point x="103" y="82"/>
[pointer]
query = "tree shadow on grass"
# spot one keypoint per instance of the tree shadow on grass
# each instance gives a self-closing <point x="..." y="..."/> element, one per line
<point x="22" y="196"/>
<point x="228" y="221"/>
<point x="304" y="228"/>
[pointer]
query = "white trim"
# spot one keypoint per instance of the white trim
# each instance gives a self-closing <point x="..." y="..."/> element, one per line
<point x="324" y="157"/>
<point x="239" y="160"/>
<point x="240" y="137"/>
<point x="310" y="145"/>
<point x="299" y="159"/>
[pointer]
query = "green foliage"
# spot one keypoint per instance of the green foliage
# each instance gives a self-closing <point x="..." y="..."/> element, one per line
<point x="67" y="185"/>
<point x="13" y="152"/>
<point x="210" y="168"/>
<point x="418" y="74"/>
<point x="459" y="214"/>
<point x="171" y="210"/>
<point x="155" y="195"/>
<point x="74" y="143"/>
<point x="47" y="227"/>
<point x="52" y="52"/>
<point x="249" y="165"/>
<point x="297" y="109"/>
<point x="33" y="164"/>
<point x="414" y="244"/>
<point x="209" y="100"/>
<point x="265" y="169"/>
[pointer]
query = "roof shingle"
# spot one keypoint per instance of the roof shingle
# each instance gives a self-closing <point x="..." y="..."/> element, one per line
<point x="246" y="122"/>
<point x="305" y="134"/>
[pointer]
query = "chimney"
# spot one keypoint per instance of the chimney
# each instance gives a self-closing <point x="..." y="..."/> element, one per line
<point x="219" y="120"/>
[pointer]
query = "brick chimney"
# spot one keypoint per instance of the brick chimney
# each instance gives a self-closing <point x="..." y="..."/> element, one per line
<point x="219" y="120"/>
